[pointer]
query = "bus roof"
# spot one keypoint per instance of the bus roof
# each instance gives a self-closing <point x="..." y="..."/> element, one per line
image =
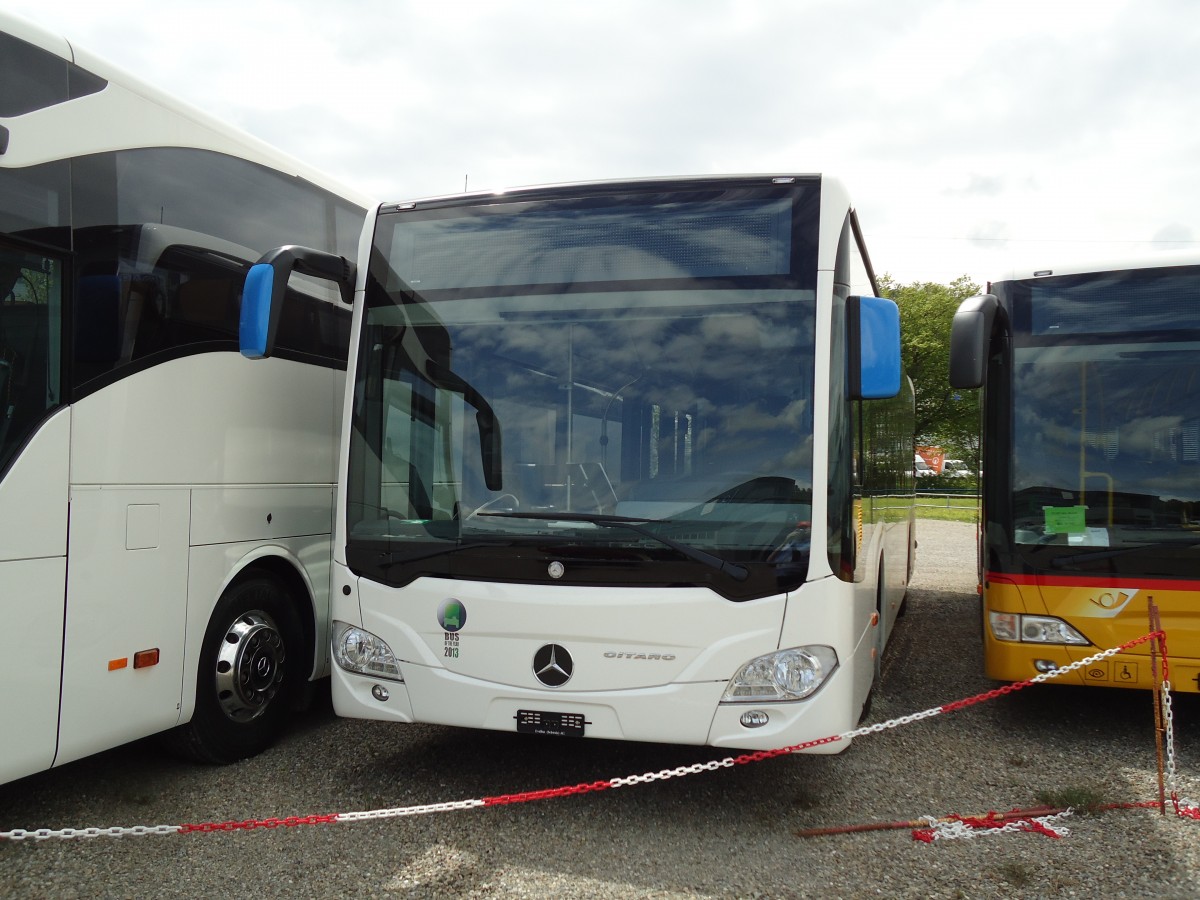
<point x="602" y="185"/>
<point x="130" y="113"/>
<point x="835" y="199"/>
<point x="1082" y="266"/>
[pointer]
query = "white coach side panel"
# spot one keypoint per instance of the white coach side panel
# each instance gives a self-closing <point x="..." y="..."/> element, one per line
<point x="37" y="485"/>
<point x="127" y="592"/>
<point x="33" y="566"/>
<point x="194" y="421"/>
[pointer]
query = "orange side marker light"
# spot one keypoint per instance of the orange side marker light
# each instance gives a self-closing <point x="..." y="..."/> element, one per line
<point x="144" y="659"/>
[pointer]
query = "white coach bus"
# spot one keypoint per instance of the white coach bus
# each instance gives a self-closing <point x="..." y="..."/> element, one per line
<point x="626" y="460"/>
<point x="165" y="505"/>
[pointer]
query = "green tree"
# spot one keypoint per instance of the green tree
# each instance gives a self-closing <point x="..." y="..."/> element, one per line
<point x="946" y="417"/>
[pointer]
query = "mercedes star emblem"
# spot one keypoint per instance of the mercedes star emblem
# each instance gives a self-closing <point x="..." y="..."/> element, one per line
<point x="552" y="665"/>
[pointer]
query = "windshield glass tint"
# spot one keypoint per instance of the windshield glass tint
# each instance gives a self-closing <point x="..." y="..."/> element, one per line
<point x="1106" y="428"/>
<point x="680" y="396"/>
<point x="680" y="406"/>
<point x="582" y="243"/>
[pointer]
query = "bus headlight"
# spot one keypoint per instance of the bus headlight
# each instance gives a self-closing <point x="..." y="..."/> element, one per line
<point x="791" y="674"/>
<point x="1033" y="629"/>
<point x="356" y="650"/>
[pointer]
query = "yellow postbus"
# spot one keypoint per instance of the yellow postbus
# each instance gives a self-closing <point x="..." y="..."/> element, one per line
<point x="1091" y="473"/>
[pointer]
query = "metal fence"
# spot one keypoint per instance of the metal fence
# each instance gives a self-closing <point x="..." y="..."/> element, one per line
<point x="947" y="499"/>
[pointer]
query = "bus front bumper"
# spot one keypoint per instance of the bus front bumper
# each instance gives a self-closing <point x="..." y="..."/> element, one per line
<point x="673" y="713"/>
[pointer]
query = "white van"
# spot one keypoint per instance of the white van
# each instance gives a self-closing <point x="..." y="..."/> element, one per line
<point x="955" y="468"/>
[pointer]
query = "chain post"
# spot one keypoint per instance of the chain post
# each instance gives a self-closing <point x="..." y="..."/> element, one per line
<point x="1159" y="724"/>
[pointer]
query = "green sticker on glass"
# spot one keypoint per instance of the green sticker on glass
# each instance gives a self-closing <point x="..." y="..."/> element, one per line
<point x="1065" y="519"/>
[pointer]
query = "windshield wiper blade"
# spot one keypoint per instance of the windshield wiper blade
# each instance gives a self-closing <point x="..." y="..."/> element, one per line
<point x="1060" y="562"/>
<point x="452" y="547"/>
<point x="733" y="570"/>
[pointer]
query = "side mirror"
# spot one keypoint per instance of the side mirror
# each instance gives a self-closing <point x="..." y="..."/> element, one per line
<point x="490" y="448"/>
<point x="873" y="344"/>
<point x="485" y="417"/>
<point x="260" y="316"/>
<point x="971" y="338"/>
<point x="266" y="286"/>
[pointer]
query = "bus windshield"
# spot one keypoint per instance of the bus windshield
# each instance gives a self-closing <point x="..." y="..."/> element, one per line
<point x="1106" y="439"/>
<point x="652" y="362"/>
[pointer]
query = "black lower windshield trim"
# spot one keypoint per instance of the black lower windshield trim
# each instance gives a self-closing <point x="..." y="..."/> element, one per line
<point x="397" y="565"/>
<point x="638" y="526"/>
<point x="1176" y="562"/>
<point x="1068" y="560"/>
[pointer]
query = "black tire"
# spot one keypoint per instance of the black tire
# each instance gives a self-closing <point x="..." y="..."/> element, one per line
<point x="866" y="707"/>
<point x="912" y="553"/>
<point x="880" y="593"/>
<point x="251" y="667"/>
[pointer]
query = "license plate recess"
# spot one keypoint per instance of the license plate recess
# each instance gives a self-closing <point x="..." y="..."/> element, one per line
<point x="560" y="724"/>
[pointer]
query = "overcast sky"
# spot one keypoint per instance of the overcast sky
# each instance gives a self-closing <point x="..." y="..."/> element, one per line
<point x="973" y="135"/>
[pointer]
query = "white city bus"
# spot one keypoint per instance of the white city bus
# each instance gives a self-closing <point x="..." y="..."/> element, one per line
<point x="165" y="505"/>
<point x="609" y="468"/>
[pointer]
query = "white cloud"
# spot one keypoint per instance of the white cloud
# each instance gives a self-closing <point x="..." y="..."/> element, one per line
<point x="971" y="133"/>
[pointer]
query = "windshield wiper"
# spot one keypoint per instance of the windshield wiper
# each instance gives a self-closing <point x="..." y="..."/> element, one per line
<point x="404" y="559"/>
<point x="1060" y="562"/>
<point x="733" y="570"/>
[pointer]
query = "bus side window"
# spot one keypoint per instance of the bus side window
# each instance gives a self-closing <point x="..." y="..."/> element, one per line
<point x="165" y="258"/>
<point x="30" y="311"/>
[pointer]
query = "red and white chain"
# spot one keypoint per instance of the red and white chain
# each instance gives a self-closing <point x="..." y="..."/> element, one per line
<point x="41" y="834"/>
<point x="957" y="828"/>
<point x="627" y="781"/>
<point x="664" y="774"/>
<point x="1183" y="807"/>
<point x="401" y="811"/>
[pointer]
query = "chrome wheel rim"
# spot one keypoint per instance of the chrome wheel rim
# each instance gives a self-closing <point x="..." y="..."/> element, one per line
<point x="250" y="666"/>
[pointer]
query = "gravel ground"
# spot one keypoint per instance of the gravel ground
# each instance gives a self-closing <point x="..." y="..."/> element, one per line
<point x="731" y="833"/>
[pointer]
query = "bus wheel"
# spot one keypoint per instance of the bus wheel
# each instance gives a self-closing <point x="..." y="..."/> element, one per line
<point x="250" y="665"/>
<point x="880" y="612"/>
<point x="912" y="553"/>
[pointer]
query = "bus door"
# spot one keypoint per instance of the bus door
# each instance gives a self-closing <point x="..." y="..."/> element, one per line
<point x="35" y="432"/>
<point x="130" y="502"/>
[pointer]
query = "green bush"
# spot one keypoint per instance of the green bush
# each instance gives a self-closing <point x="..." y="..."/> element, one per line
<point x="947" y="484"/>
